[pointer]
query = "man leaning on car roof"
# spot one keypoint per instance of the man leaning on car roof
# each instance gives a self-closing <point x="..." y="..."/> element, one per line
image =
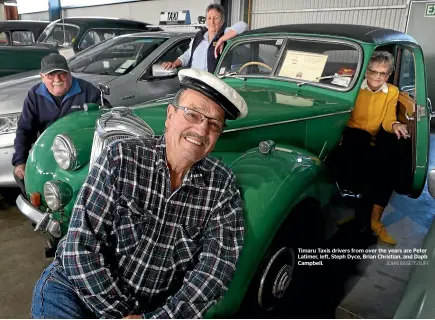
<point x="58" y="95"/>
<point x="157" y="228"/>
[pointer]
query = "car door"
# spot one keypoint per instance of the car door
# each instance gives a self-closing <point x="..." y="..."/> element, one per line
<point x="150" y="87"/>
<point x="413" y="110"/>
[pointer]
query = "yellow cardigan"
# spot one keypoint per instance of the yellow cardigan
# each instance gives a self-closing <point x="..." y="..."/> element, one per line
<point x="375" y="109"/>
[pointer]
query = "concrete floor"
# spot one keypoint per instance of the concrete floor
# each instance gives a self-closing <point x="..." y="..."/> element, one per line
<point x="22" y="261"/>
<point x="360" y="290"/>
<point x="378" y="290"/>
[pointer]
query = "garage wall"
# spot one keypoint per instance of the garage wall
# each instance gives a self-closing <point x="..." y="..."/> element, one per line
<point x="147" y="11"/>
<point x="35" y="16"/>
<point x="381" y="13"/>
<point x="236" y="11"/>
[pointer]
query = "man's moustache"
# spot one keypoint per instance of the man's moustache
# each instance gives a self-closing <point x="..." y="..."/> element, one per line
<point x="203" y="140"/>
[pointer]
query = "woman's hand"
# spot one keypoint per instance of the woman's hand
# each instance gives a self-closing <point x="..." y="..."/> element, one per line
<point x="168" y="65"/>
<point x="401" y="130"/>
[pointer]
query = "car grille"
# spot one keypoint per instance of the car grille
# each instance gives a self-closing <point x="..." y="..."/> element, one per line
<point x="117" y="124"/>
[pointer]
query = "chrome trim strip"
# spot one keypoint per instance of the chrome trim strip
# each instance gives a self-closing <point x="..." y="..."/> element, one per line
<point x="288" y="121"/>
<point x="283" y="150"/>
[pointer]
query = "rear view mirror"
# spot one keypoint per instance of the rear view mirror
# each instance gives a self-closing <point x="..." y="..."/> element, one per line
<point x="159" y="72"/>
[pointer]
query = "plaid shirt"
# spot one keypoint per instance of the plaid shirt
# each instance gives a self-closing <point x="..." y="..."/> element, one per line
<point x="135" y="247"/>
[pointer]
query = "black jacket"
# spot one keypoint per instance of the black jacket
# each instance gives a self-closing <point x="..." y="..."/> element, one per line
<point x="211" y="60"/>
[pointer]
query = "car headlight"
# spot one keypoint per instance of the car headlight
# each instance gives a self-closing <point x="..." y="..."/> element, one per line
<point x="57" y="194"/>
<point x="64" y="152"/>
<point x="8" y="123"/>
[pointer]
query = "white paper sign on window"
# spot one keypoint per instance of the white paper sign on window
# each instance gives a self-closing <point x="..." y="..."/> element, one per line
<point x="304" y="65"/>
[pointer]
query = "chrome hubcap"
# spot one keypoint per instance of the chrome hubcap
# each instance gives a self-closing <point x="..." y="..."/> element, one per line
<point x="282" y="281"/>
<point x="276" y="278"/>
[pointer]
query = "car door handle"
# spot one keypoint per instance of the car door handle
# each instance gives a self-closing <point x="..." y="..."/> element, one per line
<point x="127" y="97"/>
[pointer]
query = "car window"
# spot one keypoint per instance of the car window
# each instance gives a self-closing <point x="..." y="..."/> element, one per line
<point x="303" y="60"/>
<point x="93" y="37"/>
<point x="252" y="58"/>
<point x="116" y="57"/>
<point x="107" y="34"/>
<point x="3" y="39"/>
<point x="89" y="39"/>
<point x="407" y="72"/>
<point x="23" y="38"/>
<point x="307" y="60"/>
<point x="60" y="33"/>
<point x="175" y="52"/>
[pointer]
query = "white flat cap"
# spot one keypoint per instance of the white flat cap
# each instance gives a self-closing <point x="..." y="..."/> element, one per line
<point x="215" y="89"/>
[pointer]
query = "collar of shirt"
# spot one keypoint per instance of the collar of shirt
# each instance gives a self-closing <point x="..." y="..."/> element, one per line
<point x="384" y="87"/>
<point x="74" y="90"/>
<point x="195" y="174"/>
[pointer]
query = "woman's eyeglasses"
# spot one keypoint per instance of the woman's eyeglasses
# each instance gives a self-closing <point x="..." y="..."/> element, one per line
<point x="377" y="73"/>
<point x="197" y="117"/>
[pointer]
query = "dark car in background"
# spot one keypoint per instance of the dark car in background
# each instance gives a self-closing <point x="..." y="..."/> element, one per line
<point x="18" y="52"/>
<point x="74" y="34"/>
<point x="21" y="32"/>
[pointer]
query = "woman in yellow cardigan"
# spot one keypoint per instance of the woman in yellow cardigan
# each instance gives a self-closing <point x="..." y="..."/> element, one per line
<point x="366" y="144"/>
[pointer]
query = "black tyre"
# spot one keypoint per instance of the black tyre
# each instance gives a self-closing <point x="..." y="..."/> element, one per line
<point x="279" y="276"/>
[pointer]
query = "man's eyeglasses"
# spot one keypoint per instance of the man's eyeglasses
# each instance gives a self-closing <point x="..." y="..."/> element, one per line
<point x="52" y="75"/>
<point x="377" y="73"/>
<point x="197" y="117"/>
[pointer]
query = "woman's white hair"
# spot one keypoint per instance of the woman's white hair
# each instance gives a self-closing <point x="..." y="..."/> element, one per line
<point x="383" y="57"/>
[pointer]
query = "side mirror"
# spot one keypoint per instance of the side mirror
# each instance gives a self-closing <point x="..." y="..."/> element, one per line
<point x="104" y="88"/>
<point x="159" y="72"/>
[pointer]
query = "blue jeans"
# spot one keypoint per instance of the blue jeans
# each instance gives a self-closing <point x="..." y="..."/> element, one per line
<point x="55" y="298"/>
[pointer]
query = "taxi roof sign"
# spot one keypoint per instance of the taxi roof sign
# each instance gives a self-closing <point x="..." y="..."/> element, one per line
<point x="175" y="17"/>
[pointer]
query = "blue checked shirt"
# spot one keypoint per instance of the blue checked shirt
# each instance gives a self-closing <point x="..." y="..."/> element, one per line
<point x="135" y="247"/>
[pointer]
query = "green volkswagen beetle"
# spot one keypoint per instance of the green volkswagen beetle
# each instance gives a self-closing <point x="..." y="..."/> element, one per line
<point x="300" y="83"/>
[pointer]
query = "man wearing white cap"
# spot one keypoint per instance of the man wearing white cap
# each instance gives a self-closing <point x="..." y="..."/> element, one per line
<point x="157" y="228"/>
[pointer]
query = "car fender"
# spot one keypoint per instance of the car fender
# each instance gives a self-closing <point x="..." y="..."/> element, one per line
<point x="271" y="185"/>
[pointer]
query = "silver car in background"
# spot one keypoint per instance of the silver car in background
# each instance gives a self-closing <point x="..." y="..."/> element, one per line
<point x="127" y="69"/>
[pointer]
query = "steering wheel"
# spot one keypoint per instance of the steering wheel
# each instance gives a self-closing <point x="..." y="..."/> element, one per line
<point x="254" y="63"/>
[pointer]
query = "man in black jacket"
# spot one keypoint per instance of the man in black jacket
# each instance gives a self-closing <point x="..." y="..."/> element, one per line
<point x="58" y="95"/>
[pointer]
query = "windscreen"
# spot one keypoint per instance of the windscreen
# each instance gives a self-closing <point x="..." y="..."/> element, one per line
<point x="116" y="56"/>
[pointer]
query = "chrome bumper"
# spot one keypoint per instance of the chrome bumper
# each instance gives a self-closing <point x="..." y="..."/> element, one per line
<point x="43" y="220"/>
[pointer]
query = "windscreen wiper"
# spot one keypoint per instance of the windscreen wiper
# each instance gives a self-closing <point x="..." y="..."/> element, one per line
<point x="334" y="76"/>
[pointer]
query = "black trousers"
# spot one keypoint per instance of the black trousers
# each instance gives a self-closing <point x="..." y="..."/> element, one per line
<point x="366" y="165"/>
